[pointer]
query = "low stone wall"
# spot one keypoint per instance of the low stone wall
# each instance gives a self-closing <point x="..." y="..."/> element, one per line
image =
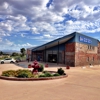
<point x="32" y="79"/>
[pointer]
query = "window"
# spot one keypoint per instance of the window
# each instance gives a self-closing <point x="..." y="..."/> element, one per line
<point x="91" y="47"/>
<point x="88" y="46"/>
<point x="87" y="58"/>
<point x="8" y="59"/>
<point x="93" y="58"/>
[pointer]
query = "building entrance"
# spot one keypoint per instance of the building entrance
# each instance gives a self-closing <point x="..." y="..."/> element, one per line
<point x="52" y="58"/>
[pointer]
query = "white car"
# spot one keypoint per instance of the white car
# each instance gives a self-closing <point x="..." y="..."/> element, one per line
<point x="8" y="60"/>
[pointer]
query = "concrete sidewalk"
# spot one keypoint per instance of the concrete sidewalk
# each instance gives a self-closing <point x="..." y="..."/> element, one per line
<point x="81" y="84"/>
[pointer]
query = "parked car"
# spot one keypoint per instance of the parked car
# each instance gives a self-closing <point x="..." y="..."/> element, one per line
<point x="8" y="60"/>
<point x="18" y="60"/>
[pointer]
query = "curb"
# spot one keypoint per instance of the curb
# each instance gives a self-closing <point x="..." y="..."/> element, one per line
<point x="32" y="79"/>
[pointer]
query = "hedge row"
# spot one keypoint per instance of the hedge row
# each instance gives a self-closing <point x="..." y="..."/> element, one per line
<point x="28" y="74"/>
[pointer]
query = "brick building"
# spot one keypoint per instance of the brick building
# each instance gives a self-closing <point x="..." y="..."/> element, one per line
<point x="29" y="53"/>
<point x="74" y="49"/>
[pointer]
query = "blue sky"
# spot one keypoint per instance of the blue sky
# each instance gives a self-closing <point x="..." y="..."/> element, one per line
<point x="29" y="23"/>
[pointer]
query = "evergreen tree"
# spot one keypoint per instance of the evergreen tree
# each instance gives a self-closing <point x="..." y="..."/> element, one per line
<point x="22" y="50"/>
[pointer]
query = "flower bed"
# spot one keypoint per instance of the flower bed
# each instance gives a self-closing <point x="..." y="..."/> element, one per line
<point x="26" y="75"/>
<point x="37" y="73"/>
<point x="32" y="79"/>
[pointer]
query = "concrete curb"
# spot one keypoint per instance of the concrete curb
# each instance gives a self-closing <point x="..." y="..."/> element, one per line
<point x="32" y="79"/>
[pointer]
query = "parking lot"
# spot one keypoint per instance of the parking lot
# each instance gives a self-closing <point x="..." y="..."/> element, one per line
<point x="81" y="84"/>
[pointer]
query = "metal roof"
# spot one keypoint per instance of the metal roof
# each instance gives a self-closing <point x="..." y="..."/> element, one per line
<point x="60" y="40"/>
<point x="31" y="48"/>
<point x="54" y="42"/>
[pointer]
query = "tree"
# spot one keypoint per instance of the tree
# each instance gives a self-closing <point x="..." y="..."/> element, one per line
<point x="1" y="53"/>
<point x="22" y="50"/>
<point x="14" y="54"/>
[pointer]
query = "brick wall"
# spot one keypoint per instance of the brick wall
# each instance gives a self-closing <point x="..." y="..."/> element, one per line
<point x="77" y="54"/>
<point x="99" y="53"/>
<point x="85" y="54"/>
<point x="70" y="54"/>
<point x="28" y="52"/>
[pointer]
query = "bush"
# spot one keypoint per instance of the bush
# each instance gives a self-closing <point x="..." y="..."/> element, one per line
<point x="42" y="75"/>
<point x="35" y="76"/>
<point x="24" y="74"/>
<point x="56" y="74"/>
<point x="28" y="74"/>
<point x="60" y="71"/>
<point x="48" y="74"/>
<point x="9" y="73"/>
<point x="41" y="68"/>
<point x="45" y="71"/>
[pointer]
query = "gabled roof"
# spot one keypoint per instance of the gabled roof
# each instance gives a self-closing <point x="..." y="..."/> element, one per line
<point x="59" y="41"/>
<point x="54" y="42"/>
<point x="31" y="48"/>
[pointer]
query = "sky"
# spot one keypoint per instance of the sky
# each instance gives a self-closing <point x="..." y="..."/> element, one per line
<point x="30" y="23"/>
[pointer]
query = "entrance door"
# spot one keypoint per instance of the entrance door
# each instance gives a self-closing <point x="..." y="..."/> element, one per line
<point x="52" y="58"/>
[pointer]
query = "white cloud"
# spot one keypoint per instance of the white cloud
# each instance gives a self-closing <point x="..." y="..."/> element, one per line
<point x="48" y="16"/>
<point x="22" y="35"/>
<point x="7" y="42"/>
<point x="82" y="26"/>
<point x="34" y="30"/>
<point x="43" y="28"/>
<point x="35" y="38"/>
<point x="9" y="45"/>
<point x="0" y="39"/>
<point x="5" y="26"/>
<point x="21" y="27"/>
<point x="26" y="45"/>
<point x="81" y="9"/>
<point x="18" y="16"/>
<point x="47" y="36"/>
<point x="4" y="6"/>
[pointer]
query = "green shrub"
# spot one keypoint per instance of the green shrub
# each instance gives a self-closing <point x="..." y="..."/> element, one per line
<point x="56" y="74"/>
<point x="9" y="73"/>
<point x="60" y="71"/>
<point x="35" y="76"/>
<point x="24" y="74"/>
<point x="42" y="75"/>
<point x="45" y="71"/>
<point x="48" y="74"/>
<point x="41" y="68"/>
